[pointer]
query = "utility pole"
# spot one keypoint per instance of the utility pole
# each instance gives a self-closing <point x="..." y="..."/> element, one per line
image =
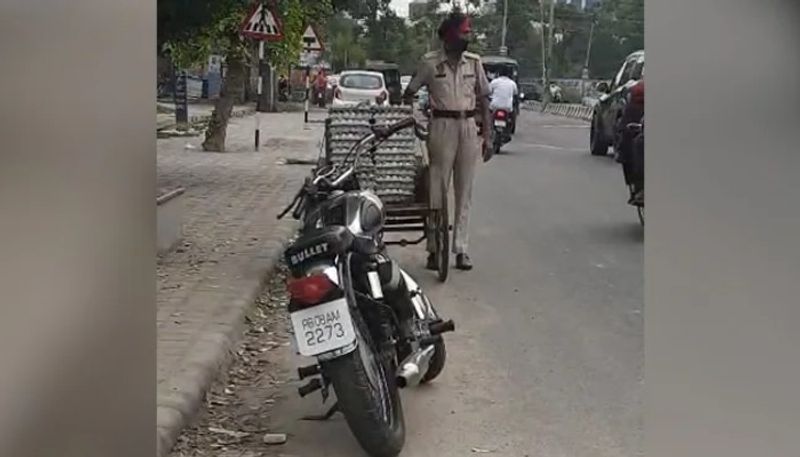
<point x="585" y="74"/>
<point x="544" y="49"/>
<point x="550" y="38"/>
<point x="503" y="48"/>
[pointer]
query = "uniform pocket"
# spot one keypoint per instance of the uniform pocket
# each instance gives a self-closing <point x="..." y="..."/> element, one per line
<point x="468" y="81"/>
<point x="441" y="90"/>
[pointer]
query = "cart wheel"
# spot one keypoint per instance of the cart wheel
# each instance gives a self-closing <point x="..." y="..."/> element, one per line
<point x="442" y="231"/>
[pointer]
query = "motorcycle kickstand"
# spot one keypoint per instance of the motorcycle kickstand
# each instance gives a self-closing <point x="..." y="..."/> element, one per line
<point x="323" y="417"/>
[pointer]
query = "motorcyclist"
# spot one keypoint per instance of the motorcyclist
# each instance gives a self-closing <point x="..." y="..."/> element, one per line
<point x="555" y="93"/>
<point x="503" y="94"/>
<point x="321" y="84"/>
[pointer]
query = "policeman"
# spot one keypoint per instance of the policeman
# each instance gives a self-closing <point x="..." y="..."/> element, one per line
<point x="458" y="93"/>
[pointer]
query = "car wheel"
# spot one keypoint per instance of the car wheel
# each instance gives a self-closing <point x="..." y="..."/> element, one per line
<point x="598" y="145"/>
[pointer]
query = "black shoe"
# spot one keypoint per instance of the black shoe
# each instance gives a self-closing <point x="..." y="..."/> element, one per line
<point x="638" y="198"/>
<point x="463" y="262"/>
<point x="432" y="264"/>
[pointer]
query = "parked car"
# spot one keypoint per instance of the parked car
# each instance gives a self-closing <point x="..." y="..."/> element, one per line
<point x="356" y="87"/>
<point x="607" y="127"/>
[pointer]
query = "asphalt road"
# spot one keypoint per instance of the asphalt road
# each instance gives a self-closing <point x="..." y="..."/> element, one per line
<point x="548" y="356"/>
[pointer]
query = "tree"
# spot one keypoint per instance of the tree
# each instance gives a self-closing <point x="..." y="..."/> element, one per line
<point x="213" y="26"/>
<point x="619" y="31"/>
<point x="344" y="49"/>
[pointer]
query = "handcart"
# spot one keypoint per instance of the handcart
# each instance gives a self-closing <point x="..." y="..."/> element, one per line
<point x="397" y="173"/>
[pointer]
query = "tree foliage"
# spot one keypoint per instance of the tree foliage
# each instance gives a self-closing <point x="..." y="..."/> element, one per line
<point x="198" y="29"/>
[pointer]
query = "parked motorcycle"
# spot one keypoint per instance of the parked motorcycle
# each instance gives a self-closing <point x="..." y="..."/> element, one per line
<point x="636" y="184"/>
<point x="502" y="127"/>
<point x="364" y="319"/>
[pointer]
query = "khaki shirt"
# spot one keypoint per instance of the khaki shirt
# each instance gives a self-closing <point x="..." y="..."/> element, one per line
<point x="451" y="88"/>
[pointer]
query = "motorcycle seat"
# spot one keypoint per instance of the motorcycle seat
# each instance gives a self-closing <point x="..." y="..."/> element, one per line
<point x="326" y="242"/>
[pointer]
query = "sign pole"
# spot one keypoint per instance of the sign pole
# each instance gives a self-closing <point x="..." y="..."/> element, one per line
<point x="259" y="108"/>
<point x="308" y="93"/>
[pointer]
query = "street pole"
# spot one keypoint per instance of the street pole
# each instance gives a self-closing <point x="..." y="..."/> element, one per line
<point x="308" y="94"/>
<point x="503" y="48"/>
<point x="586" y="62"/>
<point x="544" y="51"/>
<point x="259" y="107"/>
<point x="550" y="38"/>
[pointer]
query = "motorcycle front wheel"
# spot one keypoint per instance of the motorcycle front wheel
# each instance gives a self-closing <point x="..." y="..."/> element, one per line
<point x="368" y="397"/>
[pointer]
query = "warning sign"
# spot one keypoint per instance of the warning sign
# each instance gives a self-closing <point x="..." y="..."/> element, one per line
<point x="311" y="41"/>
<point x="262" y="24"/>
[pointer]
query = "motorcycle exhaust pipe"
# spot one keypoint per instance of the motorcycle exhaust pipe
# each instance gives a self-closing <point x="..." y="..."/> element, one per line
<point x="414" y="367"/>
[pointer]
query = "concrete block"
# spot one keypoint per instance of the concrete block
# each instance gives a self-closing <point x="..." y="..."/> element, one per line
<point x="169" y="219"/>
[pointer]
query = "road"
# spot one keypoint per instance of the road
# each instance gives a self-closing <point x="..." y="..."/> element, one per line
<point x="548" y="356"/>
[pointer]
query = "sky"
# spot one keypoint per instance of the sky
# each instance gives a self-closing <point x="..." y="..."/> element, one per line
<point x="400" y="7"/>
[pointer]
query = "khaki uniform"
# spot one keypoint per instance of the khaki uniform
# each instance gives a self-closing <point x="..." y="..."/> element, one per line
<point x="454" y="146"/>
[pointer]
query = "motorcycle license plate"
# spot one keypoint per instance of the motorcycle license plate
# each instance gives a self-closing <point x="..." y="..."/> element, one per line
<point x="499" y="123"/>
<point x="323" y="328"/>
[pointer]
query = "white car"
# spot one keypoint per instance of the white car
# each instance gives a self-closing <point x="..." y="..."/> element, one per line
<point x="333" y="81"/>
<point x="357" y="87"/>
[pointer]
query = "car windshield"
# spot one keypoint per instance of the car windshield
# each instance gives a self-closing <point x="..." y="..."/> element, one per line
<point x="361" y="81"/>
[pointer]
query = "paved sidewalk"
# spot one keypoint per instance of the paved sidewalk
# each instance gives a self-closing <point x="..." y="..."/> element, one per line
<point x="231" y="241"/>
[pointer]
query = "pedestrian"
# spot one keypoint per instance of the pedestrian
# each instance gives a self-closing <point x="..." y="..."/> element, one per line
<point x="457" y="92"/>
<point x="283" y="88"/>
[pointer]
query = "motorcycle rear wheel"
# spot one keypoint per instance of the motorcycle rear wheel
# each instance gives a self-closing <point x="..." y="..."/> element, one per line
<point x="368" y="397"/>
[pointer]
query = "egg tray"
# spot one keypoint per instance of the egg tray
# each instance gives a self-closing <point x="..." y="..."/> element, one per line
<point x="397" y="161"/>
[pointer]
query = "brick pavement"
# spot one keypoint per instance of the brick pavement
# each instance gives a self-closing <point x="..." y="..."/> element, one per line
<point x="231" y="241"/>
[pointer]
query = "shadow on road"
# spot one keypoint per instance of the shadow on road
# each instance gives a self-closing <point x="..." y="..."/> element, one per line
<point x="622" y="233"/>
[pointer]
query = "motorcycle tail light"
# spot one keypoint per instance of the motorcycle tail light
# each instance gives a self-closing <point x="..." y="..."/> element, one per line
<point x="500" y="115"/>
<point x="310" y="290"/>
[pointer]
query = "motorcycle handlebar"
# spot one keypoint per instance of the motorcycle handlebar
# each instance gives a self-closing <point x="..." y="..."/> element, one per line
<point x="379" y="133"/>
<point x="389" y="130"/>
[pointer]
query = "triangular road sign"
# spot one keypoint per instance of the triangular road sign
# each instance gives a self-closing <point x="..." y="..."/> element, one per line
<point x="262" y="24"/>
<point x="311" y="41"/>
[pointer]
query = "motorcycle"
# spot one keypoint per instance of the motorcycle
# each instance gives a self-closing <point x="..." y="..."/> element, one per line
<point x="636" y="187"/>
<point x="319" y="97"/>
<point x="364" y="319"/>
<point x="502" y="122"/>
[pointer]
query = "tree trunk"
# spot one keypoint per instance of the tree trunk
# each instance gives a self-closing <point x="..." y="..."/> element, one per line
<point x="231" y="92"/>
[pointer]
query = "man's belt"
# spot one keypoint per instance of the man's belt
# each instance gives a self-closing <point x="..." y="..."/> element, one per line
<point x="453" y="114"/>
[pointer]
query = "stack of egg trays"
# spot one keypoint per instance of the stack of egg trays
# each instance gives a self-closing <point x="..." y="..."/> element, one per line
<point x="392" y="176"/>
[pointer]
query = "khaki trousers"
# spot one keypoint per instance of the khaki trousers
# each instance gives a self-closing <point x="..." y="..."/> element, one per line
<point x="454" y="149"/>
